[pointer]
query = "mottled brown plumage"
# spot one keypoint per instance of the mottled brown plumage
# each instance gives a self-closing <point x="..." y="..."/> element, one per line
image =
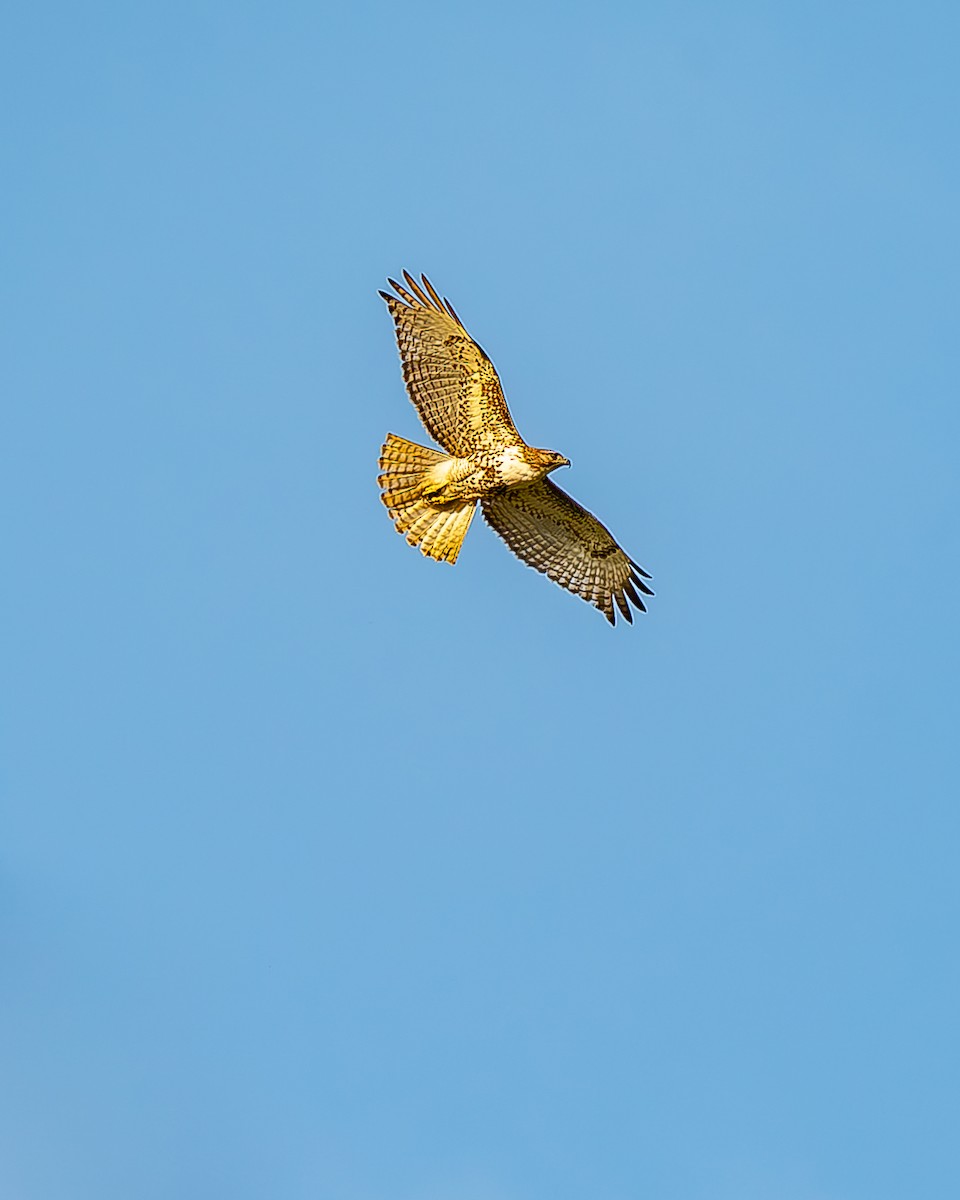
<point x="432" y="496"/>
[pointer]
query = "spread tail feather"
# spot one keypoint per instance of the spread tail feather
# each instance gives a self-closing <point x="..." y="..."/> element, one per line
<point x="438" y="529"/>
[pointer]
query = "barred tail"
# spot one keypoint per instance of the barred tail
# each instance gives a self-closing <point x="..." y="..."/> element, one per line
<point x="438" y="529"/>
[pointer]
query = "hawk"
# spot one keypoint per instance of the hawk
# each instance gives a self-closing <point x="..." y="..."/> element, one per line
<point x="432" y="497"/>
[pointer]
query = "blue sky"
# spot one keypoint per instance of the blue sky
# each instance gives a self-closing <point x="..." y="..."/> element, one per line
<point x="330" y="871"/>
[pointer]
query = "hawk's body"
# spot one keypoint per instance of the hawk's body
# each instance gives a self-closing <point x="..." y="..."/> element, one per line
<point x="432" y="496"/>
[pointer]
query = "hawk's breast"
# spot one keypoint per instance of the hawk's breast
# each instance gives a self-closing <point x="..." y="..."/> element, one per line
<point x="512" y="467"/>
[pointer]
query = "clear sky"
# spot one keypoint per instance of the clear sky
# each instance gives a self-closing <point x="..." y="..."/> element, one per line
<point x="329" y="871"/>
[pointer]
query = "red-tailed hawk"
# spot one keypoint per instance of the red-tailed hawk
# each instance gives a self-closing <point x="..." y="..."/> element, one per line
<point x="432" y="496"/>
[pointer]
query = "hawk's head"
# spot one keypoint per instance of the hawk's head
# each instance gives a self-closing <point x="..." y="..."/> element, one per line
<point x="550" y="460"/>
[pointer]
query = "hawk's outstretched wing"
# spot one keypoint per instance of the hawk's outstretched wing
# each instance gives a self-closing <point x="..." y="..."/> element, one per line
<point x="453" y="385"/>
<point x="551" y="533"/>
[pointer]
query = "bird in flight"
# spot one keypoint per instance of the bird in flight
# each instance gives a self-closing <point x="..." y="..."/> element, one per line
<point x="432" y="497"/>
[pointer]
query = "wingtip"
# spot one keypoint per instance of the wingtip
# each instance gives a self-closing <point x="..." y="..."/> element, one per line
<point x="432" y="292"/>
<point x="638" y="582"/>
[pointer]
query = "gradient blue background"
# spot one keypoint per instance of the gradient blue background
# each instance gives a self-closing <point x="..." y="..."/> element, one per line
<point x="328" y="871"/>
